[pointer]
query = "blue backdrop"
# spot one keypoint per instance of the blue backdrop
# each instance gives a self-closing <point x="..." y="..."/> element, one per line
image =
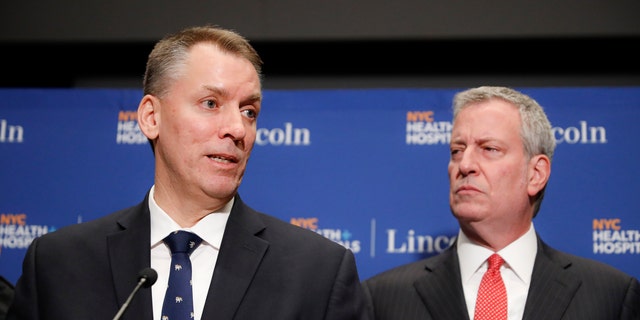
<point x="366" y="168"/>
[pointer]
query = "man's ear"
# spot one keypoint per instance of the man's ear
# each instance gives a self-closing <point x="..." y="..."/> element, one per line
<point x="149" y="116"/>
<point x="539" y="173"/>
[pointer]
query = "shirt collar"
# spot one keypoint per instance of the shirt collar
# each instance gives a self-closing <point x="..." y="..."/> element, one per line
<point x="519" y="256"/>
<point x="210" y="228"/>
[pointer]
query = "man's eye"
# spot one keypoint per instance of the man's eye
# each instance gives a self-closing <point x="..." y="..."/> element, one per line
<point x="250" y="113"/>
<point x="210" y="104"/>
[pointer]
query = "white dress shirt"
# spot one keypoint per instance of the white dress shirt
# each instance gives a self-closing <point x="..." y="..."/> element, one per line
<point x="203" y="259"/>
<point x="519" y="257"/>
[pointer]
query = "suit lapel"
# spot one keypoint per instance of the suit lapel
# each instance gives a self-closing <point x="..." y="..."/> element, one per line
<point x="129" y="253"/>
<point x="441" y="288"/>
<point x="240" y="255"/>
<point x="552" y="285"/>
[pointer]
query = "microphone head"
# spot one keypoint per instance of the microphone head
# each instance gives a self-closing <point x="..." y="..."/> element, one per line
<point x="149" y="275"/>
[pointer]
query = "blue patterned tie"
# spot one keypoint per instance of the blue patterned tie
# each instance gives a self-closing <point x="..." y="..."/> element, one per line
<point x="178" y="301"/>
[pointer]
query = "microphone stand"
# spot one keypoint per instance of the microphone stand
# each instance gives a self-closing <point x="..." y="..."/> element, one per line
<point x="146" y="275"/>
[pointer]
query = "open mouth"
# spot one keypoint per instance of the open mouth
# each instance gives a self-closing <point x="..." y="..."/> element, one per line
<point x="223" y="159"/>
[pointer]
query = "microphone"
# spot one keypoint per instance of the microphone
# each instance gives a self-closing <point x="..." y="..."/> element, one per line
<point x="146" y="278"/>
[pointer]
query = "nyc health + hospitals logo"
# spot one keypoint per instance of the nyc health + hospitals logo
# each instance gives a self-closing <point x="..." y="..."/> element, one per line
<point x="15" y="233"/>
<point x="128" y="131"/>
<point x="341" y="236"/>
<point x="424" y="129"/>
<point x="610" y="237"/>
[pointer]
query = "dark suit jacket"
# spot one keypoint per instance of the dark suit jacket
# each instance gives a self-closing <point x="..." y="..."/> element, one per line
<point x="6" y="296"/>
<point x="266" y="269"/>
<point x="563" y="286"/>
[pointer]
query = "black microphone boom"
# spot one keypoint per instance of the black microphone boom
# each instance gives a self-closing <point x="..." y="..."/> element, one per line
<point x="146" y="278"/>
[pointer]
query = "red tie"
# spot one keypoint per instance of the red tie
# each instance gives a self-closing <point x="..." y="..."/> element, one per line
<point x="492" y="295"/>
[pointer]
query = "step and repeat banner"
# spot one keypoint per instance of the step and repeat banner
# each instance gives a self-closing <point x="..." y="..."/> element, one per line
<point x="365" y="168"/>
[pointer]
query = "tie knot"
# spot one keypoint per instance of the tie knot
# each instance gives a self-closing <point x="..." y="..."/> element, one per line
<point x="182" y="241"/>
<point x="495" y="262"/>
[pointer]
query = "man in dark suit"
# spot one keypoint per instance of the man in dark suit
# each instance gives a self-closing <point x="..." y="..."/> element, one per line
<point x="501" y="151"/>
<point x="202" y="97"/>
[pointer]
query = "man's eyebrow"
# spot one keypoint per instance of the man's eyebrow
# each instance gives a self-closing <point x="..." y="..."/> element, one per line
<point x="254" y="98"/>
<point x="220" y="91"/>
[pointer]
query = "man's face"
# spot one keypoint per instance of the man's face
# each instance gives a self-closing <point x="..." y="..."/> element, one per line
<point x="207" y="124"/>
<point x="488" y="168"/>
